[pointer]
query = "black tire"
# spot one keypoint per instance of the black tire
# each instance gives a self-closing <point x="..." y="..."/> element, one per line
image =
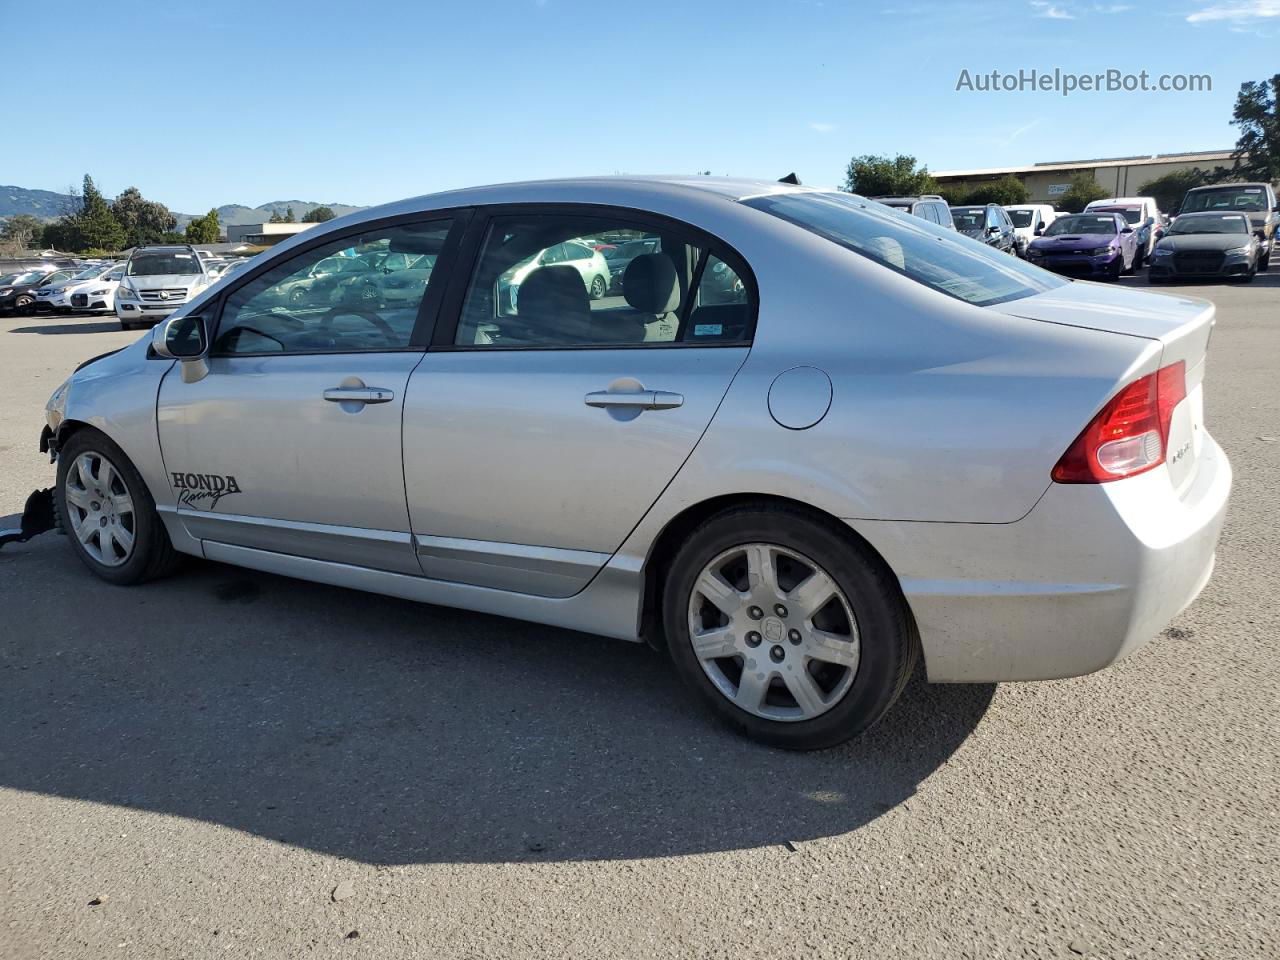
<point x="888" y="641"/>
<point x="126" y="325"/>
<point x="598" y="288"/>
<point x="1117" y="267"/>
<point x="24" y="304"/>
<point x="1265" y="263"/>
<point x="153" y="555"/>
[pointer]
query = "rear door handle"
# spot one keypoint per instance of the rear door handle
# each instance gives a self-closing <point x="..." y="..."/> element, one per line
<point x="359" y="395"/>
<point x="642" y="400"/>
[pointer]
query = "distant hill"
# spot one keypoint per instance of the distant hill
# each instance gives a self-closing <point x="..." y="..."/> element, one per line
<point x="48" y="205"/>
<point x="44" y="204"/>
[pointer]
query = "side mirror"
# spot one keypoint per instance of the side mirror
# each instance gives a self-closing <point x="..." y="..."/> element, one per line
<point x="1127" y="230"/>
<point x="1039" y="229"/>
<point x="993" y="230"/>
<point x="184" y="338"/>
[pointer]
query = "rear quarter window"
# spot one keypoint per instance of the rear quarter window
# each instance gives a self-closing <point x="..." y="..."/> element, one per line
<point x="940" y="259"/>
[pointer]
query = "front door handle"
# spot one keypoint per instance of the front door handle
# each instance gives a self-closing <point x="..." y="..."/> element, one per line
<point x="641" y="400"/>
<point x="359" y="395"/>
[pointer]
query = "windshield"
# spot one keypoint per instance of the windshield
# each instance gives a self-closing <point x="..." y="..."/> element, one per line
<point x="1251" y="199"/>
<point x="1021" y="218"/>
<point x="1131" y="214"/>
<point x="161" y="264"/>
<point x="1082" y="223"/>
<point x="97" y="270"/>
<point x="922" y="251"/>
<point x="969" y="218"/>
<point x="1212" y="223"/>
<point x="31" y="276"/>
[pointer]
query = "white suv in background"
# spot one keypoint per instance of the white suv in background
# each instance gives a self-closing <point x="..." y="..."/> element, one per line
<point x="1029" y="221"/>
<point x="157" y="281"/>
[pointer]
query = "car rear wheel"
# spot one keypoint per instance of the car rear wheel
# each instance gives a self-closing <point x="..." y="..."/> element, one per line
<point x="791" y="632"/>
<point x="107" y="512"/>
<point x="598" y="287"/>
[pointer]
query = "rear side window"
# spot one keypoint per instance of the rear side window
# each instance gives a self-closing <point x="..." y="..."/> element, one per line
<point x="943" y="260"/>
<point x="541" y="281"/>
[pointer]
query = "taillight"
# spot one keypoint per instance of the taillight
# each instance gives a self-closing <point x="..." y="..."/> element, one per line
<point x="1130" y="434"/>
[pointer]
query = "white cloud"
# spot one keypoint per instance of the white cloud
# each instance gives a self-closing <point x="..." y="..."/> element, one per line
<point x="1025" y="128"/>
<point x="1239" y="11"/>
<point x="822" y="127"/>
<point x="1071" y="10"/>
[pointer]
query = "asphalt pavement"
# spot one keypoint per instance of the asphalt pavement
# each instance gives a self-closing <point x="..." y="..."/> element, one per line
<point x="226" y="763"/>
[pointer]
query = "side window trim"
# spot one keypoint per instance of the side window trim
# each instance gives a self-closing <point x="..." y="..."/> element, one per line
<point x="454" y="294"/>
<point x="428" y="308"/>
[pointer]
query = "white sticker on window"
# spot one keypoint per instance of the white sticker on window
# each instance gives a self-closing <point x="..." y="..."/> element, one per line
<point x="707" y="329"/>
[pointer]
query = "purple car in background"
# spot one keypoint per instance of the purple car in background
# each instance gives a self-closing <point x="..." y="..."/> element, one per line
<point x="1101" y="245"/>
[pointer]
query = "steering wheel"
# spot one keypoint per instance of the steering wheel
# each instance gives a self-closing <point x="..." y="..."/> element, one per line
<point x="325" y="327"/>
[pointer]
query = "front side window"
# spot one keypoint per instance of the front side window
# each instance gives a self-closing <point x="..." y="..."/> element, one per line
<point x="540" y="282"/>
<point x="941" y="259"/>
<point x="358" y="293"/>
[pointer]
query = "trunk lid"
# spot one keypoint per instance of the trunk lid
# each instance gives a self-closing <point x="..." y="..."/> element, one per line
<point x="1182" y="325"/>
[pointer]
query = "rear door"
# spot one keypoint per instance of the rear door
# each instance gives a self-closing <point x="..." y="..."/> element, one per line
<point x="291" y="443"/>
<point x="536" y="436"/>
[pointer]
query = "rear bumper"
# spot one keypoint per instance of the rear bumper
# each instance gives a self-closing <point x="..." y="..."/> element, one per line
<point x="1091" y="574"/>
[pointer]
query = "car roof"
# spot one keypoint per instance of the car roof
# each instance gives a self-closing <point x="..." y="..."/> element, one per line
<point x="1234" y="183"/>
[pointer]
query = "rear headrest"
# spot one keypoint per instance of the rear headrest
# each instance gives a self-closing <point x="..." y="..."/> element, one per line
<point x="555" y="299"/>
<point x="650" y="284"/>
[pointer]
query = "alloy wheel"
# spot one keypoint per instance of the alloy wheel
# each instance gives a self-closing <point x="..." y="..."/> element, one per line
<point x="773" y="632"/>
<point x="100" y="509"/>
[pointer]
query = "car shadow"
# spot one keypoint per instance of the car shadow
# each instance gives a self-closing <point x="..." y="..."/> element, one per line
<point x="72" y="325"/>
<point x="390" y="732"/>
<point x="1269" y="279"/>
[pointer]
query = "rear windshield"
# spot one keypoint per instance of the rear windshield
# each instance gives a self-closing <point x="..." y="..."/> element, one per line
<point x="916" y="248"/>
<point x="160" y="264"/>
<point x="1021" y="218"/>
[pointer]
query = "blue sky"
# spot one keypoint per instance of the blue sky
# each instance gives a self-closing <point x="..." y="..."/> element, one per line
<point x="369" y="102"/>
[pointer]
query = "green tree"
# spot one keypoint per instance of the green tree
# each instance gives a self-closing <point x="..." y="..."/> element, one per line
<point x="144" y="221"/>
<point x="275" y="217"/>
<point x="318" y="215"/>
<point x="1257" y="115"/>
<point x="874" y="176"/>
<point x="204" y="229"/>
<point x="1082" y="192"/>
<point x="288" y="216"/>
<point x="95" y="226"/>
<point x="1006" y="191"/>
<point x="21" y="230"/>
<point x="1168" y="191"/>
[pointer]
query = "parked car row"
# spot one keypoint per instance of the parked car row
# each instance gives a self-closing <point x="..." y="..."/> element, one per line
<point x="1225" y="231"/>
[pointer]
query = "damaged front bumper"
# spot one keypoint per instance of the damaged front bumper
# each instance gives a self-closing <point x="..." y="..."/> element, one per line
<point x="37" y="517"/>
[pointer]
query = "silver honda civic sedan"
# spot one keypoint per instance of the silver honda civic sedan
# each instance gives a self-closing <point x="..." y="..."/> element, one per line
<point x="799" y="443"/>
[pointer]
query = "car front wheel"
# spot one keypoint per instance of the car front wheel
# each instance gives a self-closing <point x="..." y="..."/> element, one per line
<point x="796" y="635"/>
<point x="107" y="512"/>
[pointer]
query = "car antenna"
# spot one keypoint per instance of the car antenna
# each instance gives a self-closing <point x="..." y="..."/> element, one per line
<point x="790" y="178"/>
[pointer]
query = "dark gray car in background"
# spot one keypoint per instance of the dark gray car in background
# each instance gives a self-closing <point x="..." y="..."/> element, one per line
<point x="1204" y="245"/>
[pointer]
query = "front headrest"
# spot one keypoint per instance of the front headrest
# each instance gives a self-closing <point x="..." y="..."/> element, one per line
<point x="551" y="292"/>
<point x="650" y="284"/>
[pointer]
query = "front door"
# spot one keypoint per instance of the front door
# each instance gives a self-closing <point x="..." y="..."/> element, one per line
<point x="291" y="443"/>
<point x="545" y="427"/>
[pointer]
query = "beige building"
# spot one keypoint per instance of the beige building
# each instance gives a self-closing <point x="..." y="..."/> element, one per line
<point x="1120" y="176"/>
<point x="264" y="234"/>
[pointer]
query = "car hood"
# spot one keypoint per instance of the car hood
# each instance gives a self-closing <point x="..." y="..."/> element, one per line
<point x="1073" y="240"/>
<point x="1202" y="241"/>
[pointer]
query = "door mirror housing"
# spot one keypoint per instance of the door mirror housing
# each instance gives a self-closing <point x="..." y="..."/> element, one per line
<point x="1127" y="230"/>
<point x="182" y="338"/>
<point x="1039" y="229"/>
